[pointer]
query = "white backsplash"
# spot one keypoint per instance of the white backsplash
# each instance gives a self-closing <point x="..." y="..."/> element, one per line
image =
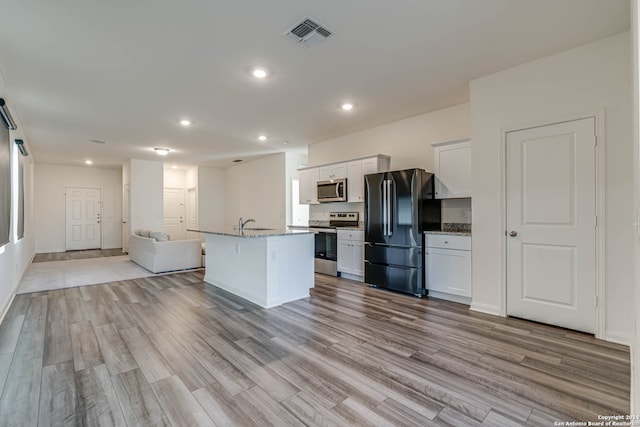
<point x="456" y="210"/>
<point x="321" y="212"/>
<point x="453" y="210"/>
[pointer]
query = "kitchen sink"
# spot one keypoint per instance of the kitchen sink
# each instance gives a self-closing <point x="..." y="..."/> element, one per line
<point x="257" y="229"/>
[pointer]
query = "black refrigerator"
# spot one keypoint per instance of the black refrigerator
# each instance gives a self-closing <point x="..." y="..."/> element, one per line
<point x="399" y="207"/>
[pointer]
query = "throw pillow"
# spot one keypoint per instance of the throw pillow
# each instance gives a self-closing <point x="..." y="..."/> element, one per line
<point x="159" y="236"/>
<point x="144" y="232"/>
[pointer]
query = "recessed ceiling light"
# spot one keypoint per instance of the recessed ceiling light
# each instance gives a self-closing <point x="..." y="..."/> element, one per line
<point x="185" y="122"/>
<point x="89" y="162"/>
<point x="259" y="73"/>
<point x="236" y="160"/>
<point x="262" y="137"/>
<point x="162" y="151"/>
<point x="285" y="142"/>
<point x="347" y="106"/>
<point x="174" y="167"/>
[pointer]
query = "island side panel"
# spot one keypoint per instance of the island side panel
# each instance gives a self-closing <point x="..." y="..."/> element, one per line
<point x="238" y="265"/>
<point x="290" y="268"/>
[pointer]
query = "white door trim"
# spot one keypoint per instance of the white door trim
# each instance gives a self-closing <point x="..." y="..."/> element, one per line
<point x="599" y="116"/>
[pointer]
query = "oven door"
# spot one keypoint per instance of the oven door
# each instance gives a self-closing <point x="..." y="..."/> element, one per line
<point x="332" y="191"/>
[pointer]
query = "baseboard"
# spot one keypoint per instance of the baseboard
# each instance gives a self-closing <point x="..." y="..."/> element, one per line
<point x="619" y="337"/>
<point x="485" y="308"/>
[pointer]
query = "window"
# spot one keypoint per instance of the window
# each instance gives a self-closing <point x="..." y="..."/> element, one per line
<point x="5" y="185"/>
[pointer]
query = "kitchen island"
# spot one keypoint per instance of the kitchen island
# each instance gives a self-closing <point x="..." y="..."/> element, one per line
<point x="267" y="267"/>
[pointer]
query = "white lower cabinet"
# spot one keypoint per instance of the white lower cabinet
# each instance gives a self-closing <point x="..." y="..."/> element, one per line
<point x="447" y="260"/>
<point x="351" y="254"/>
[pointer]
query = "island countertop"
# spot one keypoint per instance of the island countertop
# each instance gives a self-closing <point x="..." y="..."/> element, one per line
<point x="252" y="232"/>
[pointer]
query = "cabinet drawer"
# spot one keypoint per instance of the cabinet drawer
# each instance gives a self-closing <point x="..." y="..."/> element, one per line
<point x="447" y="241"/>
<point x="356" y="235"/>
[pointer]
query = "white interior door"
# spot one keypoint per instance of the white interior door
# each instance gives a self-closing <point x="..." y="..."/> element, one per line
<point x="174" y="213"/>
<point x="192" y="212"/>
<point x="82" y="218"/>
<point x="551" y="224"/>
<point x="126" y="218"/>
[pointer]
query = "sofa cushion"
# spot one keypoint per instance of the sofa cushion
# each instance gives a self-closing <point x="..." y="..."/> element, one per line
<point x="143" y="232"/>
<point x="159" y="236"/>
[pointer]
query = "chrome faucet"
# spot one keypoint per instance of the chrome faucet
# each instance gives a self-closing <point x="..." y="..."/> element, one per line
<point x="242" y="223"/>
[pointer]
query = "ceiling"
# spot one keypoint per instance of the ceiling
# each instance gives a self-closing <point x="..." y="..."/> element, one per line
<point x="126" y="72"/>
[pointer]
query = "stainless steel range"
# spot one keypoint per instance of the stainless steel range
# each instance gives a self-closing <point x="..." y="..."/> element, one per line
<point x="326" y="246"/>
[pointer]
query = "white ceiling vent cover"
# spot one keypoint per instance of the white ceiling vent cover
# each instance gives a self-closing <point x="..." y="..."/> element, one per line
<point x="309" y="32"/>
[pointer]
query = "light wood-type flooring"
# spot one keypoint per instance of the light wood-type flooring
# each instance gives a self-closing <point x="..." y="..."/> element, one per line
<point x="172" y="350"/>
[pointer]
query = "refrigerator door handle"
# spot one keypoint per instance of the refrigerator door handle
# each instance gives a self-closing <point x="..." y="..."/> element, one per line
<point x="389" y="208"/>
<point x="385" y="201"/>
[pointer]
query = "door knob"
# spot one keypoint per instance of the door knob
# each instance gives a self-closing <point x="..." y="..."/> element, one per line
<point x="513" y="233"/>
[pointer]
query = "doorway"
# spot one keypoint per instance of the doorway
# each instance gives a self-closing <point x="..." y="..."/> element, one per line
<point x="83" y="210"/>
<point x="551" y="224"/>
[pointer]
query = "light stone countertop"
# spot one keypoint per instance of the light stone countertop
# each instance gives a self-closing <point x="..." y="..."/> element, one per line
<point x="449" y="233"/>
<point x="249" y="232"/>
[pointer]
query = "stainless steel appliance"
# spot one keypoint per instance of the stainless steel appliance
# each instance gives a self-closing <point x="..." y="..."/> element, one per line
<point x="399" y="206"/>
<point x="326" y="240"/>
<point x="332" y="191"/>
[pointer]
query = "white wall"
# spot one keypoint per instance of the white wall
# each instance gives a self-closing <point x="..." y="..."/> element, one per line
<point x="576" y="81"/>
<point x="635" y="348"/>
<point x="257" y="189"/>
<point x="407" y="141"/>
<point x="146" y="193"/>
<point x="211" y="197"/>
<point x="175" y="178"/>
<point x="15" y="257"/>
<point x="456" y="210"/>
<point x="50" y="183"/>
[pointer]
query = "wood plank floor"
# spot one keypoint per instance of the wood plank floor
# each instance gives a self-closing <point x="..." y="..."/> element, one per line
<point x="171" y="350"/>
<point x="82" y="254"/>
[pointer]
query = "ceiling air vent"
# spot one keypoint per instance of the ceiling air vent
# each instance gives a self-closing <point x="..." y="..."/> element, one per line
<point x="309" y="32"/>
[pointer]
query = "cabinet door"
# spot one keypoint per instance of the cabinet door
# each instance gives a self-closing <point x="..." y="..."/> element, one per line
<point x="325" y="173"/>
<point x="370" y="166"/>
<point x="453" y="170"/>
<point x="339" y="171"/>
<point x="313" y="186"/>
<point x="308" y="189"/>
<point x="344" y="256"/>
<point x="303" y="189"/>
<point x="355" y="183"/>
<point x="448" y="271"/>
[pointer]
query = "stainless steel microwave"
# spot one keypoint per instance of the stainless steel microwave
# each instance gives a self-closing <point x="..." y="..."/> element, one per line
<point x="332" y="191"/>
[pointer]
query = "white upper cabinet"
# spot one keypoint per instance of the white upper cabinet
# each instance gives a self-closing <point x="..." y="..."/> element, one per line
<point x="357" y="169"/>
<point x="355" y="184"/>
<point x="453" y="168"/>
<point x="308" y="190"/>
<point x="353" y="170"/>
<point x="336" y="171"/>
